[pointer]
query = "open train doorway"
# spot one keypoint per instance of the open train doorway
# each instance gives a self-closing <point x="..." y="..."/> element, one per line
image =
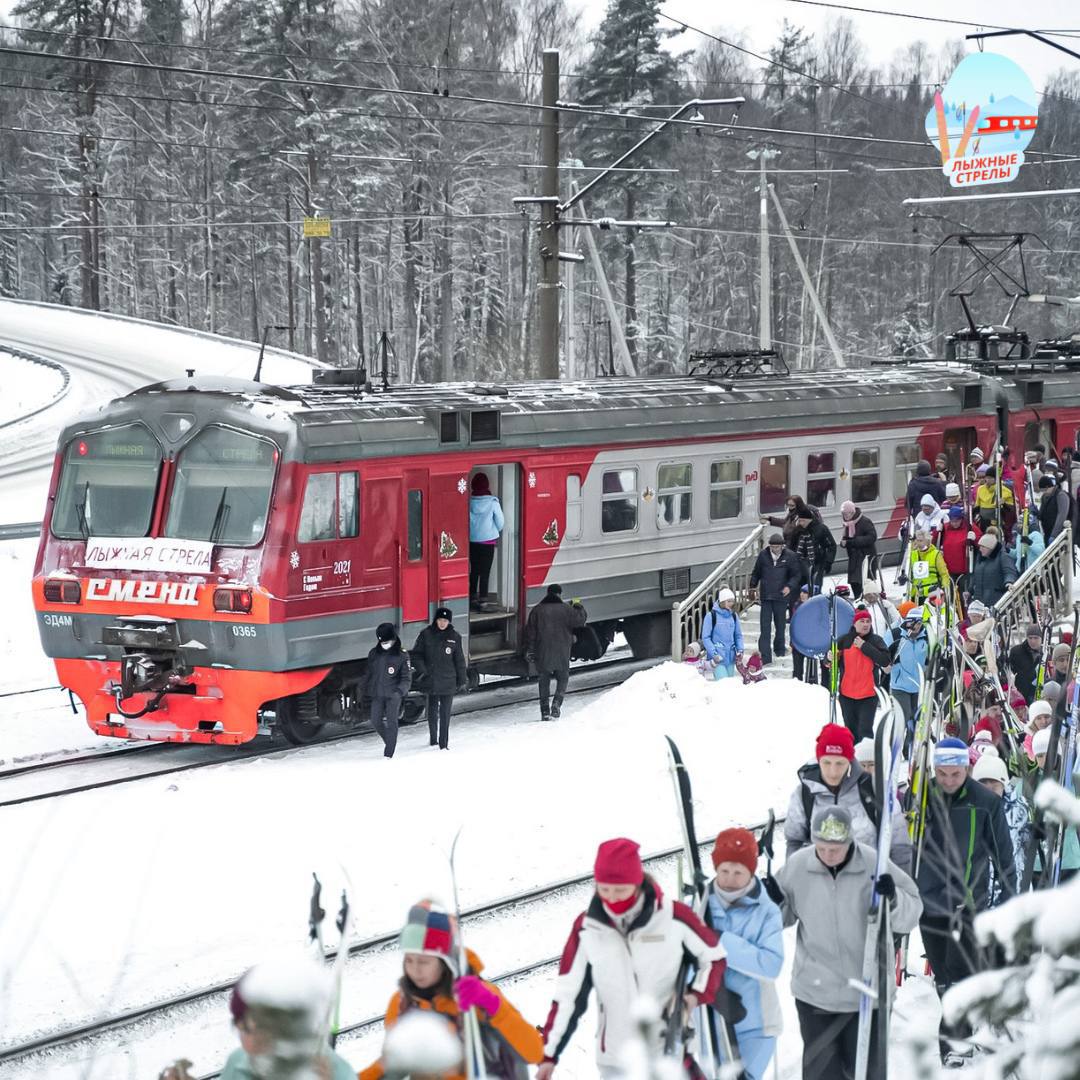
<point x="957" y="445"/>
<point x="495" y="616"/>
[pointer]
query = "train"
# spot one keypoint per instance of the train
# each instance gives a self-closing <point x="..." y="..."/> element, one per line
<point x="216" y="553"/>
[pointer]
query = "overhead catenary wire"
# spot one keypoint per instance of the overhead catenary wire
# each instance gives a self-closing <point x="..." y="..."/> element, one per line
<point x="920" y="18"/>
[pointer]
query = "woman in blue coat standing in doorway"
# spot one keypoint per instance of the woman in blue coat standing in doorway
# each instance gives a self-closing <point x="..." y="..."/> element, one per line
<point x="751" y="931"/>
<point x="486" y="524"/>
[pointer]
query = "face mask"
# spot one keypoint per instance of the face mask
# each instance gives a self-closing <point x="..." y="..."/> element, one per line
<point x="620" y="907"/>
<point x="730" y="896"/>
<point x="386" y="644"/>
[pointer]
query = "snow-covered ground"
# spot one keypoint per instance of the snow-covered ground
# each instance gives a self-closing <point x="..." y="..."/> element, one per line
<point x="28" y="386"/>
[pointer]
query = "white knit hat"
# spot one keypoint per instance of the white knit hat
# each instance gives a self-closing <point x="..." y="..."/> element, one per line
<point x="1040" y="708"/>
<point x="864" y="750"/>
<point x="725" y="594"/>
<point x="990" y="767"/>
<point x="952" y="491"/>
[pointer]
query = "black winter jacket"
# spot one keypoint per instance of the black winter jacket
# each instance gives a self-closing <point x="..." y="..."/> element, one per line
<point x="770" y="576"/>
<point x="816" y="547"/>
<point x="963" y="833"/>
<point x="1024" y="664"/>
<point x="1053" y="512"/>
<point x="439" y="660"/>
<point x="990" y="576"/>
<point x="859" y="546"/>
<point x="922" y="485"/>
<point x="389" y="673"/>
<point x="549" y="633"/>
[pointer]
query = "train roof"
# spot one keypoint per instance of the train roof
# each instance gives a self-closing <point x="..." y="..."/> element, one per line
<point x="330" y="421"/>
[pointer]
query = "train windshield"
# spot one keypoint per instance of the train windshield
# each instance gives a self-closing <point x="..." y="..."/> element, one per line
<point x="107" y="484"/>
<point x="222" y="488"/>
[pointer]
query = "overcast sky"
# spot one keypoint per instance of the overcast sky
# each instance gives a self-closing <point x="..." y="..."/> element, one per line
<point x="760" y="21"/>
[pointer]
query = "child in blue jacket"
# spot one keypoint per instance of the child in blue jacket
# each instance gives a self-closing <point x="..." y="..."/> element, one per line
<point x="721" y="636"/>
<point x="751" y="930"/>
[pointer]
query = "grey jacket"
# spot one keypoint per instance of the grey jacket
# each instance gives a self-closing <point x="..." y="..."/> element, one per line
<point x="831" y="913"/>
<point x="797" y="826"/>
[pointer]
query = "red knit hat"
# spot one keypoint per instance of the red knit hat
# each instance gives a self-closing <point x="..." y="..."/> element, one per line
<point x="618" y="862"/>
<point x="835" y="741"/>
<point x="736" y="845"/>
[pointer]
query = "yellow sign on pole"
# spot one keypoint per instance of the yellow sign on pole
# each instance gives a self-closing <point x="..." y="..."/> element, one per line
<point x="316" y="228"/>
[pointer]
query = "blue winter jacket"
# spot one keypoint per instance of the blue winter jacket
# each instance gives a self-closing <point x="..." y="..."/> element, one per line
<point x="721" y="635"/>
<point x="485" y="519"/>
<point x="1024" y="557"/>
<point x="752" y="933"/>
<point x="238" y="1067"/>
<point x="910" y="659"/>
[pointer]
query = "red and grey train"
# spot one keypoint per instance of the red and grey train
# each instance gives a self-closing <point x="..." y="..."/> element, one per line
<point x="216" y="554"/>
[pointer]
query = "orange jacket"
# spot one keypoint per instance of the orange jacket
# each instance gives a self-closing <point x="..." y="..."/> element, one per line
<point x="507" y="1021"/>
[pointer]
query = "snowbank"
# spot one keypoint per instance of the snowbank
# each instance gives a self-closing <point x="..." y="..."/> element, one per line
<point x="28" y="386"/>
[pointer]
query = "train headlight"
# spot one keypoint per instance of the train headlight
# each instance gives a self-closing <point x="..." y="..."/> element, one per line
<point x="238" y="600"/>
<point x="63" y="591"/>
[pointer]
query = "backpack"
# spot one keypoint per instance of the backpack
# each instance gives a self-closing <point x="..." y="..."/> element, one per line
<point x="864" y="785"/>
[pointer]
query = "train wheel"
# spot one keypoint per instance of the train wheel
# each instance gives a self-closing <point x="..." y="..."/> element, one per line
<point x="411" y="711"/>
<point x="298" y="718"/>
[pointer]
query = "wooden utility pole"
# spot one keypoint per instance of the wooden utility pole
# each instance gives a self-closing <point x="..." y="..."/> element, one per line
<point x="549" y="219"/>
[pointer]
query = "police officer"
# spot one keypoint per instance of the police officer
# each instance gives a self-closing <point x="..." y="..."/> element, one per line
<point x="440" y="662"/>
<point x="389" y="676"/>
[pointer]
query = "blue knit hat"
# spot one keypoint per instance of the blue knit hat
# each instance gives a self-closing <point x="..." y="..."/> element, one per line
<point x="951" y="751"/>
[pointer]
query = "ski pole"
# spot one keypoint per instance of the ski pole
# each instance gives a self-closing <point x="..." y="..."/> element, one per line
<point x="316" y="914"/>
<point x="474" y="1051"/>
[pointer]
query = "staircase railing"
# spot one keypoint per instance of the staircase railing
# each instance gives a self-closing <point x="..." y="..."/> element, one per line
<point x="733" y="573"/>
<point x="1046" y="582"/>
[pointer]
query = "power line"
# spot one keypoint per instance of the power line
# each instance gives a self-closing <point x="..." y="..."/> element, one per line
<point x="919" y="18"/>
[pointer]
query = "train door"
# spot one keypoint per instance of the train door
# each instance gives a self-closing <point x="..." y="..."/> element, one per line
<point x="957" y="444"/>
<point x="415" y="553"/>
<point x="1043" y="433"/>
<point x="496" y="620"/>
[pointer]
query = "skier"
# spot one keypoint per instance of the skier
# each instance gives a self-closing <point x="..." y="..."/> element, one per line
<point x="930" y="517"/>
<point x="986" y="498"/>
<point x="859" y="540"/>
<point x="431" y="981"/>
<point x="387" y="681"/>
<point x="776" y="574"/>
<point x="909" y="645"/>
<point x="440" y="660"/>
<point x="958" y="540"/>
<point x="549" y="637"/>
<point x="280" y="1010"/>
<point x="883" y="613"/>
<point x="923" y="483"/>
<point x="837" y="779"/>
<point x="1024" y="661"/>
<point x="816" y="548"/>
<point x="630" y="942"/>
<point x="990" y="771"/>
<point x="486" y="524"/>
<point x="862" y="655"/>
<point x="994" y="572"/>
<point x="722" y="637"/>
<point x="751" y="933"/>
<point x="826" y="890"/>
<point x="963" y="833"/>
<point x="926" y="567"/>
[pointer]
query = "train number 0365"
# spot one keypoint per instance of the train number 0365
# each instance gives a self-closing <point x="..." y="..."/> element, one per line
<point x="244" y="631"/>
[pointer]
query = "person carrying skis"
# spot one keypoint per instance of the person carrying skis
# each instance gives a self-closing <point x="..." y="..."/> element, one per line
<point x="629" y="943"/>
<point x="986" y="498"/>
<point x="994" y="572"/>
<point x="930" y="517"/>
<point x="816" y="548"/>
<point x="923" y="483"/>
<point x="958" y="540"/>
<point x="549" y="638"/>
<point x="1054" y="507"/>
<point x="722" y="637"/>
<point x="862" y="655"/>
<point x="281" y="1010"/>
<point x="440" y="662"/>
<point x="859" y="540"/>
<point x="926" y="569"/>
<point x="909" y="645"/>
<point x="776" y="574"/>
<point x="752" y="934"/>
<point x="837" y="779"/>
<point x="883" y="613"/>
<point x="1024" y="661"/>
<point x="964" y="832"/>
<point x="431" y="981"/>
<point x="991" y="772"/>
<point x="387" y="680"/>
<point x="826" y="890"/>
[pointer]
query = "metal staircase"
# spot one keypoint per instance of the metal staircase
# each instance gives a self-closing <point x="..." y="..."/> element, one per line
<point x="1043" y="590"/>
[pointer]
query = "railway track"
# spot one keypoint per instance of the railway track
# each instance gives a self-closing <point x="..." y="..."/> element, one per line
<point x="72" y="774"/>
<point x="519" y="906"/>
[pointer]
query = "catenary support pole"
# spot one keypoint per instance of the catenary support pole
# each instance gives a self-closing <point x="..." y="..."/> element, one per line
<point x="549" y="219"/>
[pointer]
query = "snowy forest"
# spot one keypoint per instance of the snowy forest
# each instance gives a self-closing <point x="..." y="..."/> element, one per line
<point x="171" y="183"/>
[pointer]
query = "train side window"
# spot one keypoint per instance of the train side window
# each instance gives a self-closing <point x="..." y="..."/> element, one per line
<point x="821" y="479"/>
<point x="674" y="495"/>
<point x="416" y="525"/>
<point x="317" y="516"/>
<point x="907" y="465"/>
<point x="774" y="483"/>
<point x="574" y="515"/>
<point x="348" y="504"/>
<point x="619" y="501"/>
<point x="865" y="475"/>
<point x="725" y="489"/>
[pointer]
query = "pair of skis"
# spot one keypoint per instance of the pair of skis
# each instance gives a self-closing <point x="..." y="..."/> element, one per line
<point x="716" y="1042"/>
<point x="878" y="951"/>
<point x="316" y="915"/>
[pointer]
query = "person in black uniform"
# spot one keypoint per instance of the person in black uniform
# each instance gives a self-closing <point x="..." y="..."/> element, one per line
<point x="389" y="676"/>
<point x="440" y="662"/>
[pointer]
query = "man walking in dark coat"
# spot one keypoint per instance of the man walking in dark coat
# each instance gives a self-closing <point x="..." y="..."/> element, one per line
<point x="389" y="676"/>
<point x="440" y="662"/>
<point x="776" y="575"/>
<point x="964" y="833"/>
<point x="549" y="637"/>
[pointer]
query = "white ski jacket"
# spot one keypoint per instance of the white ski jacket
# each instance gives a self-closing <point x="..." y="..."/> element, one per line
<point x="623" y="968"/>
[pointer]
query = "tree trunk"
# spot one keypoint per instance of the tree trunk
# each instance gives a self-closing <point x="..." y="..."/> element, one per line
<point x="630" y="298"/>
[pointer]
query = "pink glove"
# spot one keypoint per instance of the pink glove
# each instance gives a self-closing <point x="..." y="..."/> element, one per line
<point x="471" y="991"/>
